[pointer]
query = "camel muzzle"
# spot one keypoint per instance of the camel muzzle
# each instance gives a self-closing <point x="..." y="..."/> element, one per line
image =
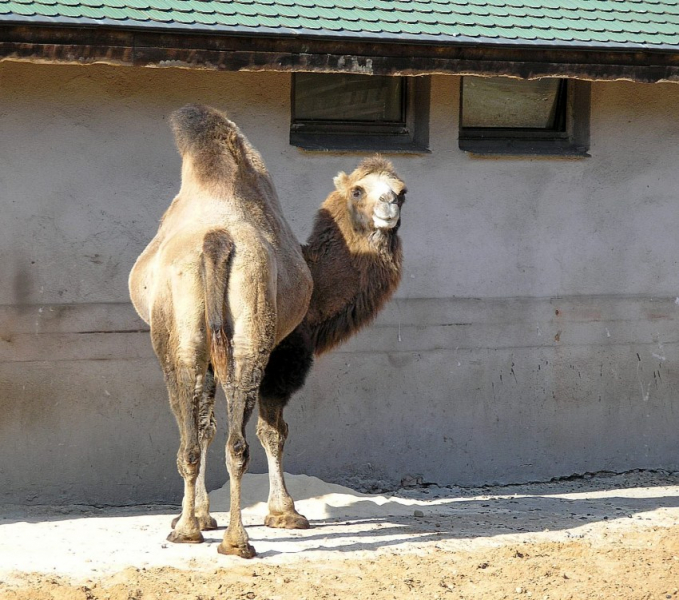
<point x="386" y="214"/>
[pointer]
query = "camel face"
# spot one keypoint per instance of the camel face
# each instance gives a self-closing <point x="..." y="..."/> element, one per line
<point x="374" y="199"/>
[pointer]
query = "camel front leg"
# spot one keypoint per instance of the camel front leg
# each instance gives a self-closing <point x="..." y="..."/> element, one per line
<point x="272" y="432"/>
<point x="240" y="402"/>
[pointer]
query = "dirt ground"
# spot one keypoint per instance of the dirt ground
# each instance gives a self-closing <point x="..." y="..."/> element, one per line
<point x="609" y="536"/>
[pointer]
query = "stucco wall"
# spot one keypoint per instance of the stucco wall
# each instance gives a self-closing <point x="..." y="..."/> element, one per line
<point x="533" y="335"/>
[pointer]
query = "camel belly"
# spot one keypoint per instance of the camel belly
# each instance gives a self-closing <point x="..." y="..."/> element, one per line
<point x="141" y="283"/>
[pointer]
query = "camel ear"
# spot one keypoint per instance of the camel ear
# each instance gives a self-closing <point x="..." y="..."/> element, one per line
<point x="341" y="181"/>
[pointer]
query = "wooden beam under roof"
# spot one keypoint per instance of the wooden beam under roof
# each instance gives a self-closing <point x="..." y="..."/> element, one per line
<point x="144" y="48"/>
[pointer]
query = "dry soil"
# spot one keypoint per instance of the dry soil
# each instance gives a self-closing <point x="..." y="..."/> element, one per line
<point x="609" y="536"/>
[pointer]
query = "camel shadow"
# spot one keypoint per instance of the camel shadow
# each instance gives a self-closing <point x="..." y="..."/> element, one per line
<point x="469" y="519"/>
<point x="571" y="509"/>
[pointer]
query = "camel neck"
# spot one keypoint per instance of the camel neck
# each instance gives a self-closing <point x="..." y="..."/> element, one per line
<point x="353" y="275"/>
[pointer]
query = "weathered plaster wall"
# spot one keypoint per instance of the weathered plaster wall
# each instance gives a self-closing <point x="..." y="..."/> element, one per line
<point x="533" y="335"/>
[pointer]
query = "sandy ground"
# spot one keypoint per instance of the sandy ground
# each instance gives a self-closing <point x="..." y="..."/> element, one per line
<point x="601" y="537"/>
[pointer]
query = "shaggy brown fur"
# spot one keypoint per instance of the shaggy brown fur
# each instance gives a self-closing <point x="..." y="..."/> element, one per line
<point x="354" y="273"/>
<point x="355" y="268"/>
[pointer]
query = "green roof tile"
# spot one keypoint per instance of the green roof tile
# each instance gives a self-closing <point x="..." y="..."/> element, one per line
<point x="24" y="10"/>
<point x="48" y="10"/>
<point x="161" y="16"/>
<point x="70" y="11"/>
<point x="582" y="23"/>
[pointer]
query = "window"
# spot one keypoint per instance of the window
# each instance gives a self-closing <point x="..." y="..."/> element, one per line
<point x="511" y="116"/>
<point x="362" y="112"/>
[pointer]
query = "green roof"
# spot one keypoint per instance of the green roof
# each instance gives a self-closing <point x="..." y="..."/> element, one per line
<point x="607" y="24"/>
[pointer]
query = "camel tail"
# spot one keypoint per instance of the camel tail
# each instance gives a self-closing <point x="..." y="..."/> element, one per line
<point x="216" y="144"/>
<point x="216" y="262"/>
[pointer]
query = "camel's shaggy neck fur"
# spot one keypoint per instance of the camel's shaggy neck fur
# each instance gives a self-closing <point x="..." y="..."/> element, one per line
<point x="355" y="268"/>
<point x="355" y="271"/>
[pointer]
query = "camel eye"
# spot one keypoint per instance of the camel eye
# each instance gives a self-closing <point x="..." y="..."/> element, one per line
<point x="356" y="193"/>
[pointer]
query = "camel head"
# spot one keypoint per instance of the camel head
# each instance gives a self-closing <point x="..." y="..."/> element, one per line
<point x="374" y="194"/>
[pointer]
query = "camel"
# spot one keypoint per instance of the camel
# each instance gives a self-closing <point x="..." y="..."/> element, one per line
<point x="221" y="284"/>
<point x="232" y="298"/>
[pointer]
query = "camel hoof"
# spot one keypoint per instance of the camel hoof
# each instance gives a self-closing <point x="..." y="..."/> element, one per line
<point x="287" y="521"/>
<point x="207" y="523"/>
<point x="182" y="538"/>
<point x="244" y="550"/>
<point x="204" y="523"/>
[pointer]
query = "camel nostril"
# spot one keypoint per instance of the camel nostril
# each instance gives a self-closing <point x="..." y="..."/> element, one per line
<point x="389" y="198"/>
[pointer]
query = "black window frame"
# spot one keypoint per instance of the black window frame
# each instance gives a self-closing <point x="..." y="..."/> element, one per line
<point x="569" y="137"/>
<point x="409" y="134"/>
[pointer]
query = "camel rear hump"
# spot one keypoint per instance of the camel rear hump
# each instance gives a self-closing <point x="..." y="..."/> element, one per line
<point x="216" y="146"/>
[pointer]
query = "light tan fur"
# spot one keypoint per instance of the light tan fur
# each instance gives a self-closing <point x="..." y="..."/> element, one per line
<point x="221" y="283"/>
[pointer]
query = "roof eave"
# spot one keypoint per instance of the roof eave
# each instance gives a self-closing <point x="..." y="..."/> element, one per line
<point x="242" y="49"/>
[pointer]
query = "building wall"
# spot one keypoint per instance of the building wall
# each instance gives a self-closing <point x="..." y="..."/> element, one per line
<point x="534" y="334"/>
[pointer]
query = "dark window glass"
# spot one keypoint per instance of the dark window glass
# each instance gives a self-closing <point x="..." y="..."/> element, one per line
<point x="500" y="115"/>
<point x="336" y="111"/>
<point x="500" y="102"/>
<point x="349" y="98"/>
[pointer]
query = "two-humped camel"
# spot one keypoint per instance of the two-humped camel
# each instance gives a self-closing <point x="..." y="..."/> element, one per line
<point x="226" y="290"/>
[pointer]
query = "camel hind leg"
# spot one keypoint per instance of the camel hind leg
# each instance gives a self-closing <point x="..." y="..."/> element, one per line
<point x="241" y="396"/>
<point x="179" y="340"/>
<point x="242" y="336"/>
<point x="185" y="388"/>
<point x="207" y="427"/>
